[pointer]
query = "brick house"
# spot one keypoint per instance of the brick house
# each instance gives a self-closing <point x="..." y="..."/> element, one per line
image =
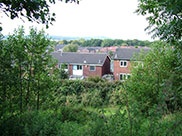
<point x="84" y="64"/>
<point x="122" y="61"/>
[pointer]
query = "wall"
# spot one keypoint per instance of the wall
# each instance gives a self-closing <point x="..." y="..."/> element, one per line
<point x="100" y="71"/>
<point x="70" y="67"/>
<point x="118" y="69"/>
<point x="106" y="67"/>
<point x="87" y="72"/>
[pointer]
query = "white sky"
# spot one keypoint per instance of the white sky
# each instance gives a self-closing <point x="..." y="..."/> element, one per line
<point x="109" y="18"/>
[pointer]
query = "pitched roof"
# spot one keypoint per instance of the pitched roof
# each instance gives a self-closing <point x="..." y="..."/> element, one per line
<point x="128" y="53"/>
<point x="59" y="46"/>
<point x="80" y="58"/>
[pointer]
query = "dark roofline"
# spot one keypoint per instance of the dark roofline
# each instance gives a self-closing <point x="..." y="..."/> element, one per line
<point x="131" y="52"/>
<point x="87" y="63"/>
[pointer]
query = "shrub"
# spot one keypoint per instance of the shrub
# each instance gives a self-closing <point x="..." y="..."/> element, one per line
<point x="87" y="93"/>
<point x="31" y="123"/>
<point x="92" y="98"/>
<point x="95" y="79"/>
<point x="154" y="83"/>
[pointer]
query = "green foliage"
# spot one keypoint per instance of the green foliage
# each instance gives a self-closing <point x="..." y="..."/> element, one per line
<point x="93" y="99"/>
<point x="31" y="123"/>
<point x="63" y="74"/>
<point x="48" y="123"/>
<point x="88" y="93"/>
<point x="165" y="18"/>
<point x="32" y="10"/>
<point x="25" y="65"/>
<point x="70" y="48"/>
<point x="95" y="79"/>
<point x="92" y="42"/>
<point x="68" y="121"/>
<point x="154" y="82"/>
<point x="35" y="10"/>
<point x="106" y="42"/>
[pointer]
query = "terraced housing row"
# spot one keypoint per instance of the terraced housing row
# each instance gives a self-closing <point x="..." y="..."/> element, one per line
<point x="82" y="65"/>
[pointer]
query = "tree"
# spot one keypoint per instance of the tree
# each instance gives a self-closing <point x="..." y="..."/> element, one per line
<point x="165" y="18"/>
<point x="107" y="43"/>
<point x="165" y="21"/>
<point x="25" y="65"/>
<point x="70" y="48"/>
<point x="156" y="82"/>
<point x="33" y="10"/>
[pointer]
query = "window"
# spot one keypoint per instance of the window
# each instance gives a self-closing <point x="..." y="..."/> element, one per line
<point x="92" y="68"/>
<point x="77" y="67"/>
<point x="74" y="67"/>
<point x="123" y="63"/>
<point x="124" y="76"/>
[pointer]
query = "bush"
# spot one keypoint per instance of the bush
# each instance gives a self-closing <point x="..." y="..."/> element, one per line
<point x="46" y="123"/>
<point x="31" y="123"/>
<point x="92" y="98"/>
<point x="95" y="79"/>
<point x="87" y="93"/>
<point x="154" y="83"/>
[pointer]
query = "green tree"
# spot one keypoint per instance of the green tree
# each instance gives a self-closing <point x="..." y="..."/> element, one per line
<point x="70" y="48"/>
<point x="63" y="42"/>
<point x="164" y="17"/>
<point x="156" y="82"/>
<point x="107" y="43"/>
<point x="25" y="64"/>
<point x="33" y="10"/>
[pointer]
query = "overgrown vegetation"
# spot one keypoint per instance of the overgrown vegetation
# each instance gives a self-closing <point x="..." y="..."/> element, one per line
<point x="35" y="100"/>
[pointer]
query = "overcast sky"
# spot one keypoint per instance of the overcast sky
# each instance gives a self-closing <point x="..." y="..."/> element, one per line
<point x="109" y="18"/>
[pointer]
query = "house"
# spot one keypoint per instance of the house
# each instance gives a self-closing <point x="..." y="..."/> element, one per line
<point x="59" y="47"/>
<point x="122" y="61"/>
<point x="84" y="64"/>
<point x="89" y="49"/>
<point x="107" y="49"/>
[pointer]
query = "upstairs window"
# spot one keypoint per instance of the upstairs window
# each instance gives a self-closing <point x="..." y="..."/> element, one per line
<point x="92" y="68"/>
<point x="123" y="63"/>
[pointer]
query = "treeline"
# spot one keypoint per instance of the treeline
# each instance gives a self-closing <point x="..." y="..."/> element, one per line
<point x="106" y="42"/>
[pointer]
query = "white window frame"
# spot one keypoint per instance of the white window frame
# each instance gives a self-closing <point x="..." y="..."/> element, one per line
<point x="92" y="70"/>
<point x="123" y="61"/>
